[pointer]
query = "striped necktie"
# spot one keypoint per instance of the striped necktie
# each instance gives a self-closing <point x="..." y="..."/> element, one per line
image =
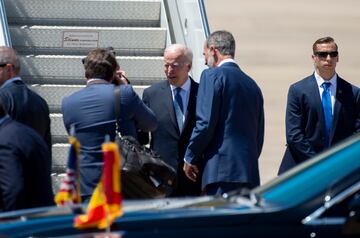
<point x="179" y="108"/>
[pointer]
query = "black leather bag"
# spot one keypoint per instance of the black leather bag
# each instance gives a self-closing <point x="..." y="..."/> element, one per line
<point x="143" y="173"/>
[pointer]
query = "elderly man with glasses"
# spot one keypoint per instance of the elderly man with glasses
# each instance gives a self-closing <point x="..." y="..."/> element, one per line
<point x="173" y="101"/>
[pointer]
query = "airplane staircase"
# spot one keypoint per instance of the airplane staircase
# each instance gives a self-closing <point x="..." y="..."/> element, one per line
<point x="53" y="36"/>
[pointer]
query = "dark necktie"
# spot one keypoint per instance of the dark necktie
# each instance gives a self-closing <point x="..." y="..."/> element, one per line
<point x="179" y="108"/>
<point x="327" y="108"/>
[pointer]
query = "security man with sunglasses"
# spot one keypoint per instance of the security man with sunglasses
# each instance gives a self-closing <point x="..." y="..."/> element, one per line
<point x="322" y="109"/>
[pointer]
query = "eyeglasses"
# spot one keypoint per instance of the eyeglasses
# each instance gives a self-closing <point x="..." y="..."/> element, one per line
<point x="324" y="54"/>
<point x="174" y="65"/>
<point x="3" y="65"/>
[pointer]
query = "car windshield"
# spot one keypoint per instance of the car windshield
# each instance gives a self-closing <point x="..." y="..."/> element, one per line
<point x="314" y="176"/>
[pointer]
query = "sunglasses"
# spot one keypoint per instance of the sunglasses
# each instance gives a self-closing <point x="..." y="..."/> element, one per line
<point x="3" y="65"/>
<point x="324" y="54"/>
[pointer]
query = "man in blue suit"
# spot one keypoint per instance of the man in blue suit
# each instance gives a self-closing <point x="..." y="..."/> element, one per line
<point x="229" y="131"/>
<point x="322" y="109"/>
<point x="25" y="180"/>
<point x="91" y="111"/>
<point x="171" y="137"/>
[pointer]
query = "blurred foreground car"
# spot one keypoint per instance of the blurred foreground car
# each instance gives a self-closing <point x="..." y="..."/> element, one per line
<point x="319" y="198"/>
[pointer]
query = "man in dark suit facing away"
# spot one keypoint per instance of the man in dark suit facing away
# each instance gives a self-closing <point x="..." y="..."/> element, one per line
<point x="229" y="130"/>
<point x="322" y="109"/>
<point x="173" y="102"/>
<point x="25" y="180"/>
<point x="21" y="103"/>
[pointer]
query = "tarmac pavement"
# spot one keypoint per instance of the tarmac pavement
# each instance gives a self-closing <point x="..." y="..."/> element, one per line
<point x="274" y="46"/>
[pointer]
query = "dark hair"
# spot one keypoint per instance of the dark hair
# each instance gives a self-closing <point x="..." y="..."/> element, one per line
<point x="223" y="41"/>
<point x="100" y="63"/>
<point x="323" y="40"/>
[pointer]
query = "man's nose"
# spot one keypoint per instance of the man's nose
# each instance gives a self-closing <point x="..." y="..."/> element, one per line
<point x="170" y="69"/>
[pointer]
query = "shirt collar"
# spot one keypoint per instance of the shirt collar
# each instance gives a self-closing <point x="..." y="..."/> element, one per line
<point x="10" y="81"/>
<point x="96" y="81"/>
<point x="185" y="86"/>
<point x="226" y="61"/>
<point x="320" y="80"/>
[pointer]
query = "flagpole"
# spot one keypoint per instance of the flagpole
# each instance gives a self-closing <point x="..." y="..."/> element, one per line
<point x="76" y="209"/>
<point x="107" y="220"/>
<point x="105" y="203"/>
<point x="108" y="230"/>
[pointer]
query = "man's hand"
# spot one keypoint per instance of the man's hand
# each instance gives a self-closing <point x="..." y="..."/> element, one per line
<point x="120" y="78"/>
<point x="191" y="171"/>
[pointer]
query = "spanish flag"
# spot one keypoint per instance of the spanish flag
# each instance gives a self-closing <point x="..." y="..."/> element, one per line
<point x="69" y="192"/>
<point x="106" y="202"/>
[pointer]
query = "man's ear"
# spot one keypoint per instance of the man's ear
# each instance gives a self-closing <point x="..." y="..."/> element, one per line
<point x="313" y="57"/>
<point x="212" y="50"/>
<point x="189" y="66"/>
<point x="10" y="70"/>
<point x="112" y="77"/>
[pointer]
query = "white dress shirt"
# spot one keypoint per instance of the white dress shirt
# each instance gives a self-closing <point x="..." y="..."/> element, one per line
<point x="185" y="94"/>
<point x="333" y="80"/>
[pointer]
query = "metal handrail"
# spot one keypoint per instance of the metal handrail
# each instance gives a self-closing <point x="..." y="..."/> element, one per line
<point x="4" y="25"/>
<point x="204" y="18"/>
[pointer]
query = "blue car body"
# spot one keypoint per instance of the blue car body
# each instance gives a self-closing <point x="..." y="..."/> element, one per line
<point x="318" y="198"/>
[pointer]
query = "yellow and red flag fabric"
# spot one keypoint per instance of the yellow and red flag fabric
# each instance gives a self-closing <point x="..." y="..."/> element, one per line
<point x="106" y="202"/>
<point x="69" y="192"/>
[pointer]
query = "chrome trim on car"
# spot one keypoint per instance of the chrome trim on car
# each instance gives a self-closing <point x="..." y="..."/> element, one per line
<point x="313" y="218"/>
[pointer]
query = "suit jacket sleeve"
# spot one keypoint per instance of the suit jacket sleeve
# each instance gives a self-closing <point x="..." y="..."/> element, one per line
<point x="207" y="114"/>
<point x="261" y="131"/>
<point x="11" y="177"/>
<point x="143" y="137"/>
<point x="144" y="117"/>
<point x="300" y="147"/>
<point x="357" y="111"/>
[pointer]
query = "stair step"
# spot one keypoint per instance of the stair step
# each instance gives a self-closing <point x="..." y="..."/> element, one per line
<point x="52" y="36"/>
<point x="79" y="12"/>
<point x="55" y="69"/>
<point x="54" y="94"/>
<point x="80" y="40"/>
<point x="58" y="131"/>
<point x="60" y="152"/>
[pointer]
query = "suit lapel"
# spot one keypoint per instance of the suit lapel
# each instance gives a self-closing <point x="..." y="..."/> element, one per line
<point x="316" y="98"/>
<point x="337" y="105"/>
<point x="190" y="111"/>
<point x="169" y="103"/>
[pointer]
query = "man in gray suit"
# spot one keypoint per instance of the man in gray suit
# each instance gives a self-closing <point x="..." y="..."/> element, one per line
<point x="229" y="130"/>
<point x="176" y="118"/>
<point x="21" y="103"/>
